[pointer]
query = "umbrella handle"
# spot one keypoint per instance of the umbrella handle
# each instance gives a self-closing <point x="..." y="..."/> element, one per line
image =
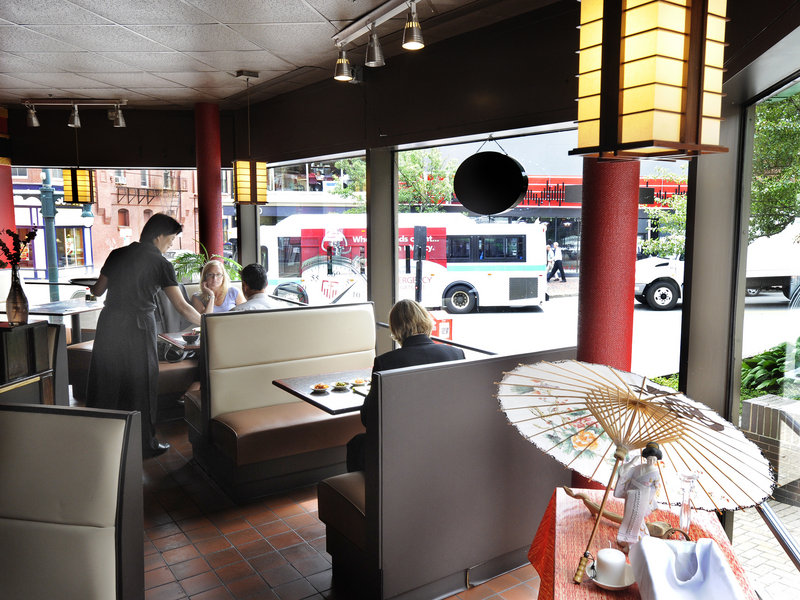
<point x="578" y="578"/>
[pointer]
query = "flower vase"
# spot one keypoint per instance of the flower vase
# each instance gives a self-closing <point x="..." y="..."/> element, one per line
<point x="16" y="302"/>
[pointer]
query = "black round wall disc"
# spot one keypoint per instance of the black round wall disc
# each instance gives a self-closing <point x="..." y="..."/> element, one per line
<point x="489" y="183"/>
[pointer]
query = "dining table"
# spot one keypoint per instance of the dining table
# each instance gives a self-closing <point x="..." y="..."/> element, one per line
<point x="333" y="399"/>
<point x="73" y="308"/>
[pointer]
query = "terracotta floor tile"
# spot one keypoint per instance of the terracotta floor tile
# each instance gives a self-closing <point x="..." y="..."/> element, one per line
<point x="234" y="571"/>
<point x="158" y="577"/>
<point x="267" y="561"/>
<point x="295" y="590"/>
<point x="284" y="540"/>
<point x="170" y="591"/>
<point x="203" y="532"/>
<point x="232" y="525"/>
<point x="218" y="593"/>
<point x="280" y="575"/>
<point x="502" y="583"/>
<point x="479" y="592"/>
<point x="520" y="592"/>
<point x="162" y="531"/>
<point x="256" y="548"/>
<point x="181" y="554"/>
<point x="301" y="520"/>
<point x="299" y="552"/>
<point x="249" y="587"/>
<point x="194" y="523"/>
<point x="257" y="514"/>
<point x="312" y="532"/>
<point x="200" y="583"/>
<point x="223" y="557"/>
<point x="309" y="566"/>
<point x="153" y="561"/>
<point x="244" y="536"/>
<point x="321" y="581"/>
<point x="288" y="509"/>
<point x="525" y="573"/>
<point x="273" y="528"/>
<point x="213" y="545"/>
<point x="190" y="568"/>
<point x="171" y="542"/>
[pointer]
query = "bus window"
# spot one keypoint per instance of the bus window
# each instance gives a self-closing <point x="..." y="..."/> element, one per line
<point x="289" y="257"/>
<point x="458" y="248"/>
<point x="501" y="248"/>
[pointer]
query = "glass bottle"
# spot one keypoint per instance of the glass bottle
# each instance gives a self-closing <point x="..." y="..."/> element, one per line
<point x="16" y="302"/>
<point x="687" y="485"/>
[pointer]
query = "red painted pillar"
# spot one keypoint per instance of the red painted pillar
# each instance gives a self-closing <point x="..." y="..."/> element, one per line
<point x="7" y="220"/>
<point x="209" y="191"/>
<point x="609" y="221"/>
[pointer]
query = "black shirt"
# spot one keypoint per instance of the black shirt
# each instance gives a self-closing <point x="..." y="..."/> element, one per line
<point x="135" y="274"/>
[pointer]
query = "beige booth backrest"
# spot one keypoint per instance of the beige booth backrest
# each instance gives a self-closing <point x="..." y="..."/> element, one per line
<point x="58" y="508"/>
<point x="246" y="351"/>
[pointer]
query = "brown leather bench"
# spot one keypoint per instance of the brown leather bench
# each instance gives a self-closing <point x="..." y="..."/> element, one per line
<point x="252" y="437"/>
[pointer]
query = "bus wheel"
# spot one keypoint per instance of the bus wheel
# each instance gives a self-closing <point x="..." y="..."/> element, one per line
<point x="460" y="299"/>
<point x="662" y="295"/>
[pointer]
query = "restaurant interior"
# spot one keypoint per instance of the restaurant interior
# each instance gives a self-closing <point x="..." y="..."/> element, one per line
<point x="448" y="511"/>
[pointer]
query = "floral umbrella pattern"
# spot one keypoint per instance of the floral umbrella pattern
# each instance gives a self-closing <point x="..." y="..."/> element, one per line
<point x="579" y="413"/>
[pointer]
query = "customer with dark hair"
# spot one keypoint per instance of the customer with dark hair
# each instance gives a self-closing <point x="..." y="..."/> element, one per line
<point x="254" y="288"/>
<point x="123" y="374"/>
<point x="410" y="325"/>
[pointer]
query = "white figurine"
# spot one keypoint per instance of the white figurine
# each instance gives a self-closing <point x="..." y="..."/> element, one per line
<point x="638" y="483"/>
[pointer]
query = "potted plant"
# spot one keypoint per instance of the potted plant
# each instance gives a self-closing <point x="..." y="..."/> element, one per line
<point x="189" y="264"/>
<point x="16" y="303"/>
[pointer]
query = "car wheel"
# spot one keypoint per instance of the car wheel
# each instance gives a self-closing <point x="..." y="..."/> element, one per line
<point x="460" y="299"/>
<point x="662" y="295"/>
<point x="641" y="299"/>
<point x="752" y="291"/>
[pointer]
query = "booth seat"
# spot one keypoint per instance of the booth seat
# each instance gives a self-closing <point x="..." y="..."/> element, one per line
<point x="252" y="437"/>
<point x="71" y="517"/>
<point x="451" y="495"/>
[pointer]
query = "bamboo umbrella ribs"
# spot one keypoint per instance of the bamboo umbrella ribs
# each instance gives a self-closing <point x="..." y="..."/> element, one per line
<point x="589" y="417"/>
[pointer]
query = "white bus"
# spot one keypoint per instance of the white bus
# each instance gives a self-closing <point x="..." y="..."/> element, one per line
<point x="321" y="259"/>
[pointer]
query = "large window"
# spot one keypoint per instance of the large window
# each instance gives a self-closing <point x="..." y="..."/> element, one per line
<point x="69" y="246"/>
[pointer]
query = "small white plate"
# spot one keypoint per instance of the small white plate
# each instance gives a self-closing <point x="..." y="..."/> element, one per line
<point x="629" y="578"/>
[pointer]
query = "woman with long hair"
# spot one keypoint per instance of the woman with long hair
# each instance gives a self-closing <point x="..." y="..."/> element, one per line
<point x="216" y="293"/>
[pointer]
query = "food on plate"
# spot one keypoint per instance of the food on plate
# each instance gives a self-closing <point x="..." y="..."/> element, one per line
<point x="340" y="384"/>
<point x="320" y="386"/>
<point x="359" y="381"/>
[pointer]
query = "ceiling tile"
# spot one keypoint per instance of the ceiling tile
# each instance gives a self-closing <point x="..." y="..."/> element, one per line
<point x="78" y="62"/>
<point x="335" y="10"/>
<point x="177" y="94"/>
<point x="100" y="37"/>
<point x="219" y="92"/>
<point x="17" y="94"/>
<point x="11" y="63"/>
<point x="138" y="79"/>
<point x="215" y="79"/>
<point x="146" y="12"/>
<point x="259" y="60"/>
<point x="62" y="80"/>
<point x="22" y="39"/>
<point x="7" y="81"/>
<point x="107" y="94"/>
<point x="42" y="13"/>
<point x="290" y="38"/>
<point x="158" y="61"/>
<point x="259" y="11"/>
<point x="195" y="37"/>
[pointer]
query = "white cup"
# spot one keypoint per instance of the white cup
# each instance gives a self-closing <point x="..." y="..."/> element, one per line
<point x="610" y="566"/>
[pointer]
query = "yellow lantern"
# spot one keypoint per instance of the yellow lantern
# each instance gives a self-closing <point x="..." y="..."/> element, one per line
<point x="650" y="77"/>
<point x="79" y="186"/>
<point x="250" y="181"/>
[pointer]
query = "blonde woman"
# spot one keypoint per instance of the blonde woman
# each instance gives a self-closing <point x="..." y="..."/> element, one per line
<point x="410" y="325"/>
<point x="216" y="293"/>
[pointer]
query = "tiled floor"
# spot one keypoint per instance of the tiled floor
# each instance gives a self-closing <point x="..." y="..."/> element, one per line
<point x="200" y="545"/>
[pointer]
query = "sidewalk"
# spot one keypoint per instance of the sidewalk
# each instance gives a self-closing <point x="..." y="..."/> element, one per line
<point x="561" y="289"/>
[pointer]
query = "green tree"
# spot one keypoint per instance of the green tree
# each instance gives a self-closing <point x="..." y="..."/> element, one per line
<point x="670" y="221"/>
<point x="425" y="180"/>
<point x="776" y="166"/>
<point x="352" y="183"/>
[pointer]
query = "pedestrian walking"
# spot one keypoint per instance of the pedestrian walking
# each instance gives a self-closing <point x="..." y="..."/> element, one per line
<point x="558" y="265"/>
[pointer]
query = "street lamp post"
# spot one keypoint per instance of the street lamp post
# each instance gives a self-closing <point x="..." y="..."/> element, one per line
<point x="48" y="201"/>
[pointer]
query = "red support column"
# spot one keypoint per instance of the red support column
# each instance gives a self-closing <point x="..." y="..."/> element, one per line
<point x="209" y="190"/>
<point x="7" y="220"/>
<point x="609" y="222"/>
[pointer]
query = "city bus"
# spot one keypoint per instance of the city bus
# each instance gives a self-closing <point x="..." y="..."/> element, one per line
<point x="446" y="260"/>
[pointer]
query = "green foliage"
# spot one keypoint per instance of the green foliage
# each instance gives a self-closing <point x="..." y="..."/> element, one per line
<point x="764" y="373"/>
<point x="355" y="170"/>
<point x="776" y="166"/>
<point x="668" y="380"/>
<point x="425" y="180"/>
<point x="669" y="220"/>
<point x="190" y="263"/>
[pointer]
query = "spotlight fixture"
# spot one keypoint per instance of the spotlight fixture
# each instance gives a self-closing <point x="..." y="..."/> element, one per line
<point x="412" y="34"/>
<point x="74" y="118"/>
<point x="343" y="70"/>
<point x="32" y="119"/>
<point x="374" y="51"/>
<point x="119" y="120"/>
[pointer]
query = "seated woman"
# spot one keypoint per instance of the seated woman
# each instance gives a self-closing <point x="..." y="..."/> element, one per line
<point x="410" y="325"/>
<point x="216" y="293"/>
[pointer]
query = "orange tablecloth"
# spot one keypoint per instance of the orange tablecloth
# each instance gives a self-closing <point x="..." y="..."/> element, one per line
<point x="565" y="529"/>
